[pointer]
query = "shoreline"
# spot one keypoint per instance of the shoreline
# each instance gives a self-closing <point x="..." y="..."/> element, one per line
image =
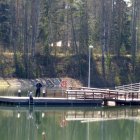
<point x="47" y="82"/>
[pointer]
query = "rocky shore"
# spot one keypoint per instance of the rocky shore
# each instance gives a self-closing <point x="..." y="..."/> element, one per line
<point x="48" y="82"/>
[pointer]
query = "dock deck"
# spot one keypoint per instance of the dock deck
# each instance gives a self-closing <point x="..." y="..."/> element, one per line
<point x="80" y="97"/>
<point x="47" y="101"/>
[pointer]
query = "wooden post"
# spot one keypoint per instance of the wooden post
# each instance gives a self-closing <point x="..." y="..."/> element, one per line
<point x="117" y="95"/>
<point x="125" y="96"/>
<point x="93" y="95"/>
<point x="67" y="94"/>
<point x="105" y="103"/>
<point x="109" y="93"/>
<point x="54" y="94"/>
<point x="84" y="95"/>
<point x="132" y="96"/>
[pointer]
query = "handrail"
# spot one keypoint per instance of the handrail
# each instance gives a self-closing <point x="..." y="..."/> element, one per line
<point x="134" y="87"/>
<point x="106" y="94"/>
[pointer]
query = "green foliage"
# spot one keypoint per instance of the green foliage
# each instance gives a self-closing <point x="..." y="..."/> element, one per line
<point x="4" y="23"/>
<point x="108" y="62"/>
<point x="123" y="50"/>
<point x="117" y="80"/>
<point x="6" y="68"/>
<point x="77" y="24"/>
<point x="19" y="67"/>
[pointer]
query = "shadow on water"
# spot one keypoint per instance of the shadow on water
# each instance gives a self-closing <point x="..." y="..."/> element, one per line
<point x="50" y="123"/>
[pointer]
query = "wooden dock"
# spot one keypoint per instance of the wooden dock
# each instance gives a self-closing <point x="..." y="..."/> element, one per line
<point x="47" y="101"/>
<point x="80" y="97"/>
<point x="118" y="97"/>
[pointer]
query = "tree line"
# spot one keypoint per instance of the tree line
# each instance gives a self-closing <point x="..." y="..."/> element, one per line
<point x="39" y="33"/>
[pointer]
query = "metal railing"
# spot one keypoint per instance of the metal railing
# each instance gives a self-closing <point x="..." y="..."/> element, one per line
<point x="103" y="94"/>
<point x="129" y="87"/>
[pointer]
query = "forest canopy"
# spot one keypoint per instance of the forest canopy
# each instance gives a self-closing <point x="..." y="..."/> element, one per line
<point x="51" y="38"/>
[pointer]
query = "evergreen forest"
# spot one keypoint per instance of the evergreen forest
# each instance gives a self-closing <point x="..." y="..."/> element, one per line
<point x="51" y="38"/>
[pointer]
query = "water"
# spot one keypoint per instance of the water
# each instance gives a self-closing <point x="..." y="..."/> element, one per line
<point x="37" y="123"/>
<point x="68" y="123"/>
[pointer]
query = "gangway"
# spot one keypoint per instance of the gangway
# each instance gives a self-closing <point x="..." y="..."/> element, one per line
<point x="117" y="96"/>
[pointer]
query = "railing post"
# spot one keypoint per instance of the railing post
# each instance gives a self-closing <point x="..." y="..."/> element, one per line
<point x="66" y="95"/>
<point x="125" y="96"/>
<point x="84" y="95"/>
<point x="132" y="96"/>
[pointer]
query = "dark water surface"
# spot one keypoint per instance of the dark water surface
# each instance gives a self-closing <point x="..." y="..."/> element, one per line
<point x="68" y="123"/>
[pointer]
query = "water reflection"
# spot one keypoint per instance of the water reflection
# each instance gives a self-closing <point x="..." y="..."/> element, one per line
<point x="37" y="123"/>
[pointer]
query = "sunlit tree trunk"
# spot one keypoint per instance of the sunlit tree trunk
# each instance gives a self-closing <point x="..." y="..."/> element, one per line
<point x="26" y="38"/>
<point x="103" y="36"/>
<point x="35" y="7"/>
<point x="83" y="35"/>
<point x="134" y="31"/>
<point x="14" y="29"/>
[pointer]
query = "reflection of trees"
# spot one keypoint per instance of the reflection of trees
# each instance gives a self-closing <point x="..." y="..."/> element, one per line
<point x="48" y="121"/>
<point x="63" y="122"/>
<point x="100" y="115"/>
<point x="43" y="135"/>
<point x="37" y="118"/>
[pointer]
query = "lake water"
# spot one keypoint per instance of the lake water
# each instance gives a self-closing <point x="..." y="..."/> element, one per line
<point x="68" y="123"/>
<point x="38" y="123"/>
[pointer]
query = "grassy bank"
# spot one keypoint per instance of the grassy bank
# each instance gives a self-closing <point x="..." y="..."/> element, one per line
<point x="117" y="71"/>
